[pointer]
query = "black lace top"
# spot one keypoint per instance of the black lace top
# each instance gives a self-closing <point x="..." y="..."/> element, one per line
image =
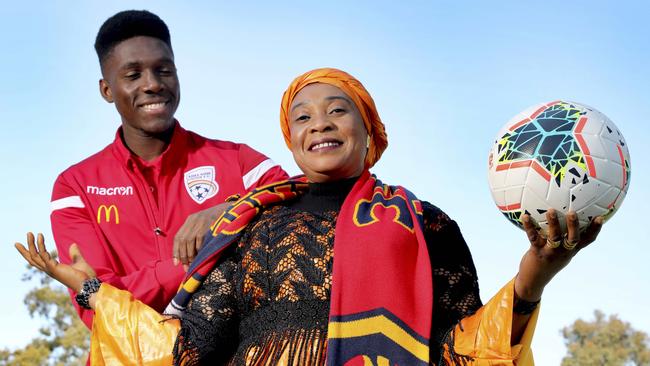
<point x="267" y="302"/>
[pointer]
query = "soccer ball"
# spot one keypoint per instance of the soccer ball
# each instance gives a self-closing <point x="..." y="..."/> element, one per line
<point x="561" y="155"/>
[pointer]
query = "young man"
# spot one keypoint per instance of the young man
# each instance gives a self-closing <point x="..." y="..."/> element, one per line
<point x="139" y="208"/>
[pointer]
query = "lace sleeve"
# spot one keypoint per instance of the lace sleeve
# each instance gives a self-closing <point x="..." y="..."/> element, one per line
<point x="455" y="283"/>
<point x="208" y="333"/>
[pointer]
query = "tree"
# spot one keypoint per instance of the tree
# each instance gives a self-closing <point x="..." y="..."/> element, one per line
<point x="606" y="342"/>
<point x="63" y="339"/>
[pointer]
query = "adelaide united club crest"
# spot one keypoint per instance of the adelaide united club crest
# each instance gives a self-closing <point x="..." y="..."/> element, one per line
<point x="200" y="183"/>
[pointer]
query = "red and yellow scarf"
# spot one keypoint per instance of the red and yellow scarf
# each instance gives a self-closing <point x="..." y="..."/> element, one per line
<point x="382" y="294"/>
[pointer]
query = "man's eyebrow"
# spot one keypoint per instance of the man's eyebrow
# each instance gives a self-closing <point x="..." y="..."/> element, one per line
<point x="131" y="65"/>
<point x="167" y="60"/>
<point x="137" y="64"/>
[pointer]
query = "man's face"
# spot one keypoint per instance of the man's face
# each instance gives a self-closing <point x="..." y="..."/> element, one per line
<point x="140" y="78"/>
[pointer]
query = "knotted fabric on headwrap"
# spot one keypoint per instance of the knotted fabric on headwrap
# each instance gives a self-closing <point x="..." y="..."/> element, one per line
<point x="355" y="90"/>
<point x="382" y="295"/>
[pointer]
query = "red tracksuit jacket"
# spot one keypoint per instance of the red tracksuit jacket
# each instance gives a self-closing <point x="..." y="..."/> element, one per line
<point x="123" y="212"/>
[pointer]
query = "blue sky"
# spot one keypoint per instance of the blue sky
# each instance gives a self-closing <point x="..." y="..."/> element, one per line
<point x="445" y="76"/>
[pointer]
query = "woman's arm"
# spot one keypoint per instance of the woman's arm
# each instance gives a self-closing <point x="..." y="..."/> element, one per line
<point x="547" y="256"/>
<point x="71" y="276"/>
<point x="125" y="331"/>
<point x="498" y="330"/>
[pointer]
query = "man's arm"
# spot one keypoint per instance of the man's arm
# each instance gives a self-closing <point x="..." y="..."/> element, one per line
<point x="257" y="170"/>
<point x="72" y="222"/>
<point x="189" y="238"/>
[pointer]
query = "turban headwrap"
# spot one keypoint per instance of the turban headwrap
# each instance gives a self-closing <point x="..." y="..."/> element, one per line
<point x="359" y="95"/>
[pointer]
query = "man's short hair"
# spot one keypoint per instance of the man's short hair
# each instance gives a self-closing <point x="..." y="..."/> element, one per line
<point x="128" y="24"/>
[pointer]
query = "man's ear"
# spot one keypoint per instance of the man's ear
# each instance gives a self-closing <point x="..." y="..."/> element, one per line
<point x="105" y="91"/>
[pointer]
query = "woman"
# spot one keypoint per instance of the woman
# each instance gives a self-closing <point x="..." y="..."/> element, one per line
<point x="334" y="266"/>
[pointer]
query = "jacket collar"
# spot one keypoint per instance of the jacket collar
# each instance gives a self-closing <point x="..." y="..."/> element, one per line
<point x="167" y="160"/>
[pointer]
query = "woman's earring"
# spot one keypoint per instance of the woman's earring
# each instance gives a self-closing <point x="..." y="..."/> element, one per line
<point x="368" y="142"/>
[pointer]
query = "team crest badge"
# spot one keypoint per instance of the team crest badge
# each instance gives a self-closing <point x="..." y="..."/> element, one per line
<point x="200" y="183"/>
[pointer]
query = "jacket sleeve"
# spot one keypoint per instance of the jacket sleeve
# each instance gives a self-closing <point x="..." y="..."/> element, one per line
<point x="483" y="339"/>
<point x="127" y="332"/>
<point x="258" y="170"/>
<point x="73" y="222"/>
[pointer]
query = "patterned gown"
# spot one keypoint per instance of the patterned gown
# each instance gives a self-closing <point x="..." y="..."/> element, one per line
<point x="267" y="302"/>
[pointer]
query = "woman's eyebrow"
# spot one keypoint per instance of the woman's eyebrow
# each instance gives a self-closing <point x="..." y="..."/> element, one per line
<point x="297" y="105"/>
<point x="330" y="98"/>
<point x="335" y="97"/>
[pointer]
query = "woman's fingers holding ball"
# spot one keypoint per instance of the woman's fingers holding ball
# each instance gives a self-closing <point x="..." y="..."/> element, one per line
<point x="531" y="229"/>
<point x="572" y="237"/>
<point x="591" y="233"/>
<point x="554" y="230"/>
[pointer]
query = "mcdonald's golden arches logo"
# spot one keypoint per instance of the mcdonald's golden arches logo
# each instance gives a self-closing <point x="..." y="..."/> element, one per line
<point x="107" y="211"/>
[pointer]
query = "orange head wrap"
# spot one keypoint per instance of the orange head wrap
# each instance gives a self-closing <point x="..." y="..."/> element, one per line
<point x="359" y="95"/>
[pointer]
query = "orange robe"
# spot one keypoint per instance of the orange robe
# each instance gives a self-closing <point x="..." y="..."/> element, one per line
<point x="128" y="332"/>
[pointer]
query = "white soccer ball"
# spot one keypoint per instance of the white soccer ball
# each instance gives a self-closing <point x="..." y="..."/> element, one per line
<point x="561" y="155"/>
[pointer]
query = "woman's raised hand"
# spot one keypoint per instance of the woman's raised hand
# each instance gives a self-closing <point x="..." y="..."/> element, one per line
<point x="72" y="276"/>
<point x="547" y="255"/>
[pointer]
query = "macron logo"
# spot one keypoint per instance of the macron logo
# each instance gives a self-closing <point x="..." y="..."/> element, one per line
<point x="111" y="191"/>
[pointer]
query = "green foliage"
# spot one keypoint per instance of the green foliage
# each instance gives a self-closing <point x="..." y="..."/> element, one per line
<point x="62" y="340"/>
<point x="606" y="342"/>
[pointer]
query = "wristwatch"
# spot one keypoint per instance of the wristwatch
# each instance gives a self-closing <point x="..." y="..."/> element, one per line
<point x="88" y="288"/>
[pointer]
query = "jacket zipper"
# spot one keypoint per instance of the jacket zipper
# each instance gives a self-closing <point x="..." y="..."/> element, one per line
<point x="153" y="216"/>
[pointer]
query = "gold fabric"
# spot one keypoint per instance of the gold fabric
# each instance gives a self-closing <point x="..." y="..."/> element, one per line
<point x="128" y="332"/>
<point x="485" y="336"/>
<point x="353" y="89"/>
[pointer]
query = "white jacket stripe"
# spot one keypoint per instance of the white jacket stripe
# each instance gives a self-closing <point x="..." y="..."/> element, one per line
<point x="66" y="202"/>
<point x="256" y="173"/>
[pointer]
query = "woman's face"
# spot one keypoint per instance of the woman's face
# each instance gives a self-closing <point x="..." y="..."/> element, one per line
<point x="328" y="138"/>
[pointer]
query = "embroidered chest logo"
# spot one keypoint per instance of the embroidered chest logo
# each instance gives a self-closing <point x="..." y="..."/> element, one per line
<point x="108" y="213"/>
<point x="200" y="183"/>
